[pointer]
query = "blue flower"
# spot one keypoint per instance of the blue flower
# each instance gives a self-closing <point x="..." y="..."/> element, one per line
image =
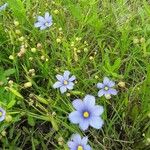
<point x="44" y="22"/>
<point x="64" y="82"/>
<point x="106" y="88"/>
<point x="78" y="143"/>
<point x="87" y="113"/>
<point x="3" y="7"/>
<point x="2" y="114"/>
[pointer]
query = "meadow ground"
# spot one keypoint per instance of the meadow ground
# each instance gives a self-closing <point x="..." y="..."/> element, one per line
<point x="92" y="39"/>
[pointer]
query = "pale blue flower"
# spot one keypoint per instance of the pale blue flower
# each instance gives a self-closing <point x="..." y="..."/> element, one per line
<point x="2" y="114"/>
<point x="44" y="22"/>
<point x="87" y="113"/>
<point x="106" y="88"/>
<point x="3" y="7"/>
<point x="64" y="82"/>
<point x="78" y="143"/>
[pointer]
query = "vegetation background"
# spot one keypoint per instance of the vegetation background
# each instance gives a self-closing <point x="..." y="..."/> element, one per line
<point x="91" y="39"/>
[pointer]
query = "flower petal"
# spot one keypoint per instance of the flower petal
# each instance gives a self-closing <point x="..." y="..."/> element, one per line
<point x="74" y="117"/>
<point x="101" y="93"/>
<point x="100" y="85"/>
<point x="46" y="15"/>
<point x="41" y="19"/>
<point x="66" y="75"/>
<point x="63" y="89"/>
<point x="106" y="80"/>
<point x="84" y="124"/>
<point x="76" y="138"/>
<point x="70" y="85"/>
<point x="84" y="140"/>
<point x="72" y="78"/>
<point x="87" y="147"/>
<point x="96" y="122"/>
<point x="77" y="104"/>
<point x="112" y="91"/>
<point x="38" y="24"/>
<point x="89" y="100"/>
<point x="111" y="84"/>
<point x="97" y="110"/>
<point x="43" y="27"/>
<point x="71" y="144"/>
<point x="57" y="85"/>
<point x="60" y="78"/>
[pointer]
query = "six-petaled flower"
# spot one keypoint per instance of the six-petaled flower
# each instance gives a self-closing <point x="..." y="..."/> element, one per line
<point x="2" y="114"/>
<point x="106" y="88"/>
<point x="78" y="143"/>
<point x="44" y="22"/>
<point x="87" y="113"/>
<point x="64" y="82"/>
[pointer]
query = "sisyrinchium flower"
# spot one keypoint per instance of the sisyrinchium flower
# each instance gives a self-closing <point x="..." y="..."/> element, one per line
<point x="87" y="113"/>
<point x="64" y="82"/>
<point x="78" y="143"/>
<point x="106" y="88"/>
<point x="2" y="114"/>
<point x="3" y="7"/>
<point x="44" y="22"/>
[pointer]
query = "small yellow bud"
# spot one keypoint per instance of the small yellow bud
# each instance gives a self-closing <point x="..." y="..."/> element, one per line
<point x="42" y="57"/>
<point x="58" y="40"/>
<point x="72" y="44"/>
<point x="60" y="29"/>
<point x="91" y="58"/>
<point x="39" y="45"/>
<point x="121" y="84"/>
<point x="96" y="77"/>
<point x="68" y="94"/>
<point x="78" y="39"/>
<point x="10" y="82"/>
<point x="135" y="40"/>
<point x="142" y="40"/>
<point x="8" y="118"/>
<point x="11" y="57"/>
<point x="18" y="32"/>
<point x="85" y="50"/>
<point x="56" y="11"/>
<point x="3" y="133"/>
<point x="28" y="85"/>
<point x="33" y="50"/>
<point x="16" y="23"/>
<point x="30" y="58"/>
<point x="108" y="96"/>
<point x="21" y="39"/>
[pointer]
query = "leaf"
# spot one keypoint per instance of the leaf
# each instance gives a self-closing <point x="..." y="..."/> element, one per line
<point x="116" y="65"/>
<point x="15" y="92"/>
<point x="42" y="100"/>
<point x="11" y="103"/>
<point x="9" y="72"/>
<point x="18" y="10"/>
<point x="31" y="121"/>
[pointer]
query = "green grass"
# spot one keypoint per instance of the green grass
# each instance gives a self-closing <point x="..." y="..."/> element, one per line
<point x="114" y="42"/>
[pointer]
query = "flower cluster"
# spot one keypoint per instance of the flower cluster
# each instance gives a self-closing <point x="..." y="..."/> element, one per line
<point x="86" y="113"/>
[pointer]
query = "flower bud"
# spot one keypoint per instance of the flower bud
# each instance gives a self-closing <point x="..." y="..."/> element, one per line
<point x="121" y="84"/>
<point x="28" y="85"/>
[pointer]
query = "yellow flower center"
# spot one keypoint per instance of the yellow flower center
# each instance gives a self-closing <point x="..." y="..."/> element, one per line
<point x="65" y="82"/>
<point x="46" y="23"/>
<point x="106" y="88"/>
<point x="86" y="114"/>
<point x="1" y="114"/>
<point x="80" y="147"/>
